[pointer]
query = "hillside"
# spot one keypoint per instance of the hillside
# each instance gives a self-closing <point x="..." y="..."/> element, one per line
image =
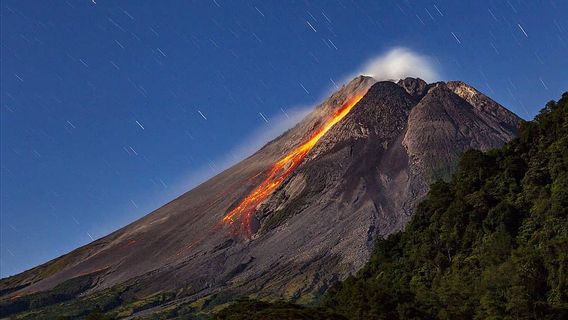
<point x="492" y="243"/>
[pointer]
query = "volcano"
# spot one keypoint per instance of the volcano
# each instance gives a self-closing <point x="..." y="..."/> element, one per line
<point x="292" y="219"/>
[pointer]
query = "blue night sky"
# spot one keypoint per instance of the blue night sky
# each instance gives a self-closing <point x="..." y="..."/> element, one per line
<point x="101" y="102"/>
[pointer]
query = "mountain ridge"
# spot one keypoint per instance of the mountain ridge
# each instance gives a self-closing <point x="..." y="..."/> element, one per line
<point x="366" y="174"/>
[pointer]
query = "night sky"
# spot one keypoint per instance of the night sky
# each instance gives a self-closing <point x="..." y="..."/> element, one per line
<point x="111" y="109"/>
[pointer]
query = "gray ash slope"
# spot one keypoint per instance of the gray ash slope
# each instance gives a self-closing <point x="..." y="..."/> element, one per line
<point x="362" y="180"/>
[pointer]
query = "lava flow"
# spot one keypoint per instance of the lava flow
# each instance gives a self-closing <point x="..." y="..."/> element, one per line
<point x="281" y="170"/>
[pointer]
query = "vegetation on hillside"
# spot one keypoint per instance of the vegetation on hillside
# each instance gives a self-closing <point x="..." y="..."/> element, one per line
<point x="492" y="243"/>
<point x="260" y="310"/>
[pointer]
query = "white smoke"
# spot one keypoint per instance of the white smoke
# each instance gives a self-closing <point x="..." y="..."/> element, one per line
<point x="266" y="132"/>
<point x="399" y="63"/>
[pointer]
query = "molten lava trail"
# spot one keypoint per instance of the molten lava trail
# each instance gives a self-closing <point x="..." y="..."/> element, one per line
<point x="244" y="211"/>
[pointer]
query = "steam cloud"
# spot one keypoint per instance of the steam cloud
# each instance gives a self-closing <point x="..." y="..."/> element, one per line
<point x="267" y="132"/>
<point x="399" y="63"/>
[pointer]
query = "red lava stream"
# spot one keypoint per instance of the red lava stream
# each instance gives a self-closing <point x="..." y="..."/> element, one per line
<point x="244" y="211"/>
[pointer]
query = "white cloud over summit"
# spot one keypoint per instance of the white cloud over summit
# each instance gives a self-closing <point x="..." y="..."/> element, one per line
<point x="399" y="63"/>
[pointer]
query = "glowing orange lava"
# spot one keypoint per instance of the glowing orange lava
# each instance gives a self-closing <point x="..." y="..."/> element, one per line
<point x="281" y="170"/>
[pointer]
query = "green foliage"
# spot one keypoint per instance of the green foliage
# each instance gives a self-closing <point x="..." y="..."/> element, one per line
<point x="66" y="302"/>
<point x="260" y="310"/>
<point x="490" y="244"/>
<point x="97" y="315"/>
<point x="65" y="291"/>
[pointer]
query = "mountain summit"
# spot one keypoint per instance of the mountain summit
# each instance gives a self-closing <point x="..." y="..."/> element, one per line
<point x="295" y="217"/>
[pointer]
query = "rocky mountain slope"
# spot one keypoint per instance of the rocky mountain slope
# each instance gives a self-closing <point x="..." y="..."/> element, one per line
<point x="361" y="180"/>
<point x="490" y="243"/>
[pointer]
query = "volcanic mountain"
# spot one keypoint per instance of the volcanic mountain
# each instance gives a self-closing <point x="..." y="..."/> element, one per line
<point x="298" y="215"/>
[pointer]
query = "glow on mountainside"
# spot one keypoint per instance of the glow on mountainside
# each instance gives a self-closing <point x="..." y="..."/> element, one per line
<point x="281" y="170"/>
